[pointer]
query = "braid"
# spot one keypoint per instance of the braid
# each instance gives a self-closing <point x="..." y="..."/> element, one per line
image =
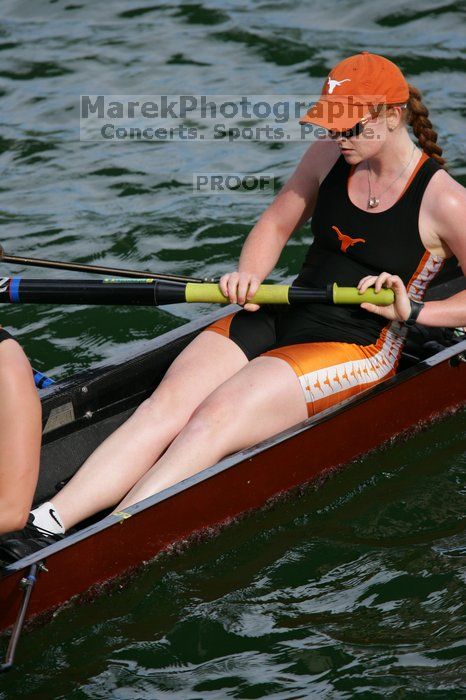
<point x="418" y="118"/>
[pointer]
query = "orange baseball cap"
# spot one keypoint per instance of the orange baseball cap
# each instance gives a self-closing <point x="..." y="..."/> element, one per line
<point x="354" y="87"/>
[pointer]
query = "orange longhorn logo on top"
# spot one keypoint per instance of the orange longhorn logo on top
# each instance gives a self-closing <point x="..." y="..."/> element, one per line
<point x="346" y="241"/>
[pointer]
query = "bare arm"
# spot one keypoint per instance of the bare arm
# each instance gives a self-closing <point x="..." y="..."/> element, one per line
<point x="293" y="205"/>
<point x="450" y="221"/>
<point x="20" y="436"/>
<point x="447" y="211"/>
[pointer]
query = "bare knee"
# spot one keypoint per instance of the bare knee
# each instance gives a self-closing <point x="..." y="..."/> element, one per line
<point x="159" y="412"/>
<point x="14" y="365"/>
<point x="170" y="403"/>
<point x="16" y="378"/>
<point x="212" y="417"/>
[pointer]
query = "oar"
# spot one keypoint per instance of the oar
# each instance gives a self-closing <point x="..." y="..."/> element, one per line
<point x="150" y="292"/>
<point x="95" y="269"/>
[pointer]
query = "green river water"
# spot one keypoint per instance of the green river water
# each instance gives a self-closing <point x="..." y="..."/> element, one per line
<point x="354" y="589"/>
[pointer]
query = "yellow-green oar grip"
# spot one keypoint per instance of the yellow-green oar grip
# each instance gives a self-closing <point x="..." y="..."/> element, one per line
<point x="271" y="294"/>
<point x="351" y="295"/>
<point x="210" y="293"/>
<point x="204" y="292"/>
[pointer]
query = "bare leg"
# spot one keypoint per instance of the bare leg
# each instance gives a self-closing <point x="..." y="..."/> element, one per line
<point x="20" y="436"/>
<point x="262" y="399"/>
<point x="120" y="461"/>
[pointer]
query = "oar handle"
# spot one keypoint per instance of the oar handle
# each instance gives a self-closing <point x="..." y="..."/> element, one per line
<point x="351" y="295"/>
<point x="284" y="294"/>
<point x="211" y="293"/>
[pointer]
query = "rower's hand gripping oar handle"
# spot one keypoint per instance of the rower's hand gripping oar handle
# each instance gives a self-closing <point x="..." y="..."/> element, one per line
<point x="284" y="294"/>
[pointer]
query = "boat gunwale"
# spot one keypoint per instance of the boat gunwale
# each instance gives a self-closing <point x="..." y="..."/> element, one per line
<point x="232" y="460"/>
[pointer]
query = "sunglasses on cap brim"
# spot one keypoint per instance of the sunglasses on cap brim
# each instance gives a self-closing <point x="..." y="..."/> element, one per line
<point x="358" y="128"/>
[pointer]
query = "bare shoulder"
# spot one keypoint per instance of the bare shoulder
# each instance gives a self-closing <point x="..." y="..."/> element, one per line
<point x="445" y="202"/>
<point x="445" y="196"/>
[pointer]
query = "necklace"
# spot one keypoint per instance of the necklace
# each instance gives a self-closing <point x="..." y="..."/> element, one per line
<point x="374" y="201"/>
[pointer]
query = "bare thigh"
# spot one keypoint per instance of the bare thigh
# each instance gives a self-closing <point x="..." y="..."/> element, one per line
<point x="206" y="363"/>
<point x="270" y="399"/>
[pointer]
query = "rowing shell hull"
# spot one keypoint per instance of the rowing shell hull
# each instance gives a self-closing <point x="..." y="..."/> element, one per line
<point x="237" y="484"/>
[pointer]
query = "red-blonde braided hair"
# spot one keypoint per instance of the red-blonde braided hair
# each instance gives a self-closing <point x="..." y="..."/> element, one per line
<point x="418" y="119"/>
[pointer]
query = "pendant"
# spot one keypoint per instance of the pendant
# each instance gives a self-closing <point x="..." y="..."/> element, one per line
<point x="373" y="202"/>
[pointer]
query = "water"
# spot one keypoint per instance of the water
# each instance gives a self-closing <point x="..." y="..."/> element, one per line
<point x="353" y="590"/>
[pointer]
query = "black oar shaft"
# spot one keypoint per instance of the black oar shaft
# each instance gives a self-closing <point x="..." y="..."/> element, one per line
<point x="91" y="292"/>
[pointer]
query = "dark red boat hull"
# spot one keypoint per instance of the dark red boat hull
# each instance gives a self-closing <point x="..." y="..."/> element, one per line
<point x="242" y="482"/>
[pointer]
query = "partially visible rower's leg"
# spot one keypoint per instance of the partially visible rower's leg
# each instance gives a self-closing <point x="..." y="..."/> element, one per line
<point x="264" y="398"/>
<point x="118" y="463"/>
<point x="20" y="436"/>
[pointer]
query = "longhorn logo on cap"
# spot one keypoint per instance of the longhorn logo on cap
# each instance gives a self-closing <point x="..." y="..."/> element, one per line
<point x="333" y="83"/>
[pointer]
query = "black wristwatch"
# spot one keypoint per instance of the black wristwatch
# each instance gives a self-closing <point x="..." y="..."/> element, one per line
<point x="416" y="308"/>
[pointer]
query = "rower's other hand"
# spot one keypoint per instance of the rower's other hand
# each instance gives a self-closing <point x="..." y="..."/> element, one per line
<point x="401" y="307"/>
<point x="239" y="287"/>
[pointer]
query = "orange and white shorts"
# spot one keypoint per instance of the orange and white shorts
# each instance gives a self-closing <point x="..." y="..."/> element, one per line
<point x="327" y="371"/>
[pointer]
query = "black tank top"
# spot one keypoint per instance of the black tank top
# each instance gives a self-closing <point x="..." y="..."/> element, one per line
<point x="350" y="243"/>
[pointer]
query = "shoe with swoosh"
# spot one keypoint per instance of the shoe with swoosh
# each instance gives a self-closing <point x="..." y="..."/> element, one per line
<point x="21" y="543"/>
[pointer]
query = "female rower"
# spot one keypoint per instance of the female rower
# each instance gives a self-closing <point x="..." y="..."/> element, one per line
<point x="378" y="202"/>
<point x="20" y="434"/>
